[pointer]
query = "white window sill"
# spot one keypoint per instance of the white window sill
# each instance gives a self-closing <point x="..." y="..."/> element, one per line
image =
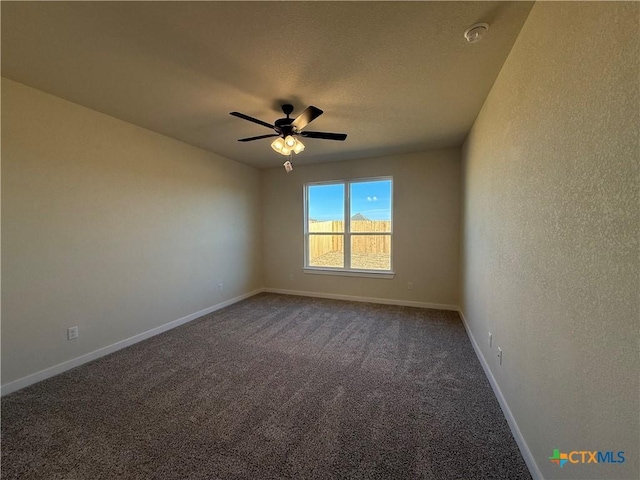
<point x="350" y="273"/>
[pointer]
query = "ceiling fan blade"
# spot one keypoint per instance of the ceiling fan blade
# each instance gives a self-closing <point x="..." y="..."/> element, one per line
<point x="249" y="139"/>
<point x="324" y="135"/>
<point x="251" y="119"/>
<point x="306" y="117"/>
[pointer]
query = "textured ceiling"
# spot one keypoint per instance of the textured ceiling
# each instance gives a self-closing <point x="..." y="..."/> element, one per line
<point x="395" y="76"/>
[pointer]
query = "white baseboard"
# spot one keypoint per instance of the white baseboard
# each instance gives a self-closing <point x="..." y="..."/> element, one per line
<point x="384" y="301"/>
<point x="515" y="430"/>
<point x="101" y="352"/>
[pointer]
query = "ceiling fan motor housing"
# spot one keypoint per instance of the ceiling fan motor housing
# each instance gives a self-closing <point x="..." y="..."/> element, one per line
<point x="283" y="126"/>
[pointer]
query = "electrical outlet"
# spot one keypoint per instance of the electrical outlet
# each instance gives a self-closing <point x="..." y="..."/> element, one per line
<point x="72" y="332"/>
<point x="490" y="340"/>
<point x="221" y="286"/>
<point x="500" y="355"/>
<point x="291" y="276"/>
<point x="409" y="285"/>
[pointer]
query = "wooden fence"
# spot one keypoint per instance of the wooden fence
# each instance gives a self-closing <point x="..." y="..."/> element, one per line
<point x="360" y="244"/>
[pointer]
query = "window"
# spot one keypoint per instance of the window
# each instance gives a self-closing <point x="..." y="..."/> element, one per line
<point x="348" y="226"/>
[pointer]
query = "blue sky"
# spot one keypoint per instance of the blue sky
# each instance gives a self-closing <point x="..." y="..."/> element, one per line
<point x="371" y="199"/>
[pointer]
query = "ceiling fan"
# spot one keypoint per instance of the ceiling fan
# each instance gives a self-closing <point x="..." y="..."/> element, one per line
<point x="286" y="129"/>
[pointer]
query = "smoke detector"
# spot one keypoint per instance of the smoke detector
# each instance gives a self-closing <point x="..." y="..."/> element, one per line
<point x="476" y="32"/>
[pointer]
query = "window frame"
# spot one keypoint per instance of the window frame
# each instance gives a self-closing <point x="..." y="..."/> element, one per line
<point x="347" y="233"/>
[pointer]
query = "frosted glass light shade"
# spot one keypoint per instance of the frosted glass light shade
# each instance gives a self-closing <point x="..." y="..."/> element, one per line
<point x="299" y="147"/>
<point x="278" y="144"/>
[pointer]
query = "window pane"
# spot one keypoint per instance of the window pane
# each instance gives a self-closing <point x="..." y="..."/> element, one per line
<point x="326" y="208"/>
<point x="371" y="206"/>
<point x="326" y="251"/>
<point x="371" y="252"/>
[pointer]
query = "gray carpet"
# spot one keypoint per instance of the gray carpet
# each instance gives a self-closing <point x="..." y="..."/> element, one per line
<point x="272" y="387"/>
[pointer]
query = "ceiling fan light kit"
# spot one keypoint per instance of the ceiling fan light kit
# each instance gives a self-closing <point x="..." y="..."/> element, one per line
<point x="287" y="129"/>
<point x="287" y="145"/>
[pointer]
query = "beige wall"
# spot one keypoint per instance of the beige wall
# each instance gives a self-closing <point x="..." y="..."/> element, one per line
<point x="113" y="228"/>
<point x="426" y="196"/>
<point x="550" y="242"/>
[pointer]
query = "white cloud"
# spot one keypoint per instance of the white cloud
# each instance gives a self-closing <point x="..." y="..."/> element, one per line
<point x="375" y="199"/>
<point x="369" y="199"/>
